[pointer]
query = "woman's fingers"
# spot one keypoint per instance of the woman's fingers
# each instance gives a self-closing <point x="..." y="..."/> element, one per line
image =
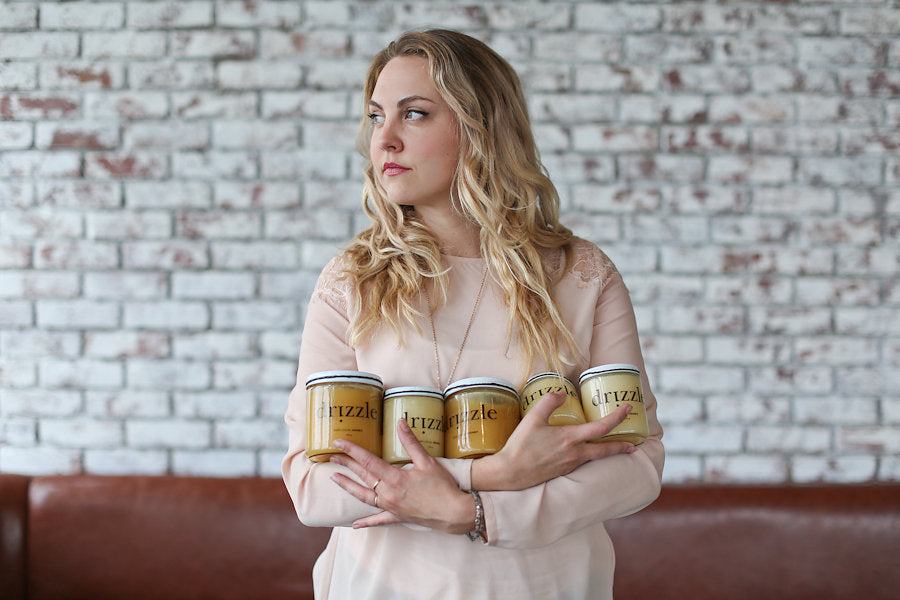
<point x="411" y="443"/>
<point x="382" y="518"/>
<point x="544" y="407"/>
<point x="370" y="468"/>
<point x="596" y="429"/>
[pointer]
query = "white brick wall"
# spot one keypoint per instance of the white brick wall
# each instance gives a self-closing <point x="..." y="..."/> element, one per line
<point x="174" y="174"/>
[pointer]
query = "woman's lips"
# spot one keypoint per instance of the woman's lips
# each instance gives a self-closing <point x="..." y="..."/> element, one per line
<point x="392" y="169"/>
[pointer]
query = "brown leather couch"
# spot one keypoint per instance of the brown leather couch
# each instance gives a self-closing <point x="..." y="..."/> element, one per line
<point x="174" y="538"/>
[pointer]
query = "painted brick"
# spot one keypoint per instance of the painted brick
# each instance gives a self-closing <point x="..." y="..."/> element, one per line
<point x="123" y="44"/>
<point x="126" y="105"/>
<point x="79" y="194"/>
<point x="15" y="136"/>
<point x="174" y="134"/>
<point x="254" y="315"/>
<point x="75" y="254"/>
<point x="166" y="315"/>
<point x="38" y="165"/>
<point x="238" y="13"/>
<point x="127" y="404"/>
<point x="169" y="14"/>
<point x="126" y="462"/>
<point x="833" y="469"/>
<point x="19" y="15"/>
<point x="82" y="15"/>
<point x="124" y="225"/>
<point x="37" y="343"/>
<point x="32" y="284"/>
<point x="167" y="433"/>
<point x="255" y="134"/>
<point x="211" y="284"/>
<point x="175" y="174"/>
<point x="18" y="76"/>
<point x="170" y="194"/>
<point x="82" y="75"/>
<point x="214" y="345"/>
<point x="81" y="433"/>
<point x="86" y="136"/>
<point x="166" y="74"/>
<point x="254" y="255"/>
<point x="615" y="78"/>
<point x="215" y="405"/>
<point x="123" y="285"/>
<point x="40" y="461"/>
<point x="37" y="45"/>
<point x="125" y="344"/>
<point x="214" y="463"/>
<point x="41" y="403"/>
<point x="836" y="411"/>
<point x="210" y="105"/>
<point x="248" y="433"/>
<point x="790" y="380"/>
<point x="215" y="165"/>
<point x="173" y="254"/>
<point x="746" y="468"/>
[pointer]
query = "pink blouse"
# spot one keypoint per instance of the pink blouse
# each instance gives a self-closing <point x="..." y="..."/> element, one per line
<point x="547" y="541"/>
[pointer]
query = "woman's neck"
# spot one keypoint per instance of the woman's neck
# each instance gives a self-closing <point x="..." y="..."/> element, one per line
<point x="456" y="236"/>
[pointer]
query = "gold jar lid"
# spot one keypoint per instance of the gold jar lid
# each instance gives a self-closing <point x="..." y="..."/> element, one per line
<point x="413" y="391"/>
<point x="480" y="382"/>
<point x="610" y="368"/>
<point x="344" y="377"/>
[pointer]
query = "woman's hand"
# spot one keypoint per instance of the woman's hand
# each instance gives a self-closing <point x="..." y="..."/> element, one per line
<point x="425" y="494"/>
<point x="537" y="452"/>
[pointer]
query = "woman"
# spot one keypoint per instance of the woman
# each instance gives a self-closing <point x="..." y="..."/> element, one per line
<point x="466" y="271"/>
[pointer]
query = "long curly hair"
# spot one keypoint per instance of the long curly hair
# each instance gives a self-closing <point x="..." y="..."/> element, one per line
<point x="500" y="184"/>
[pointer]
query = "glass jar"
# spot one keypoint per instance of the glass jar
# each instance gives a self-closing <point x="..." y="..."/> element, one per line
<point x="342" y="405"/>
<point x="481" y="413"/>
<point x="607" y="387"/>
<point x="570" y="413"/>
<point x="423" y="410"/>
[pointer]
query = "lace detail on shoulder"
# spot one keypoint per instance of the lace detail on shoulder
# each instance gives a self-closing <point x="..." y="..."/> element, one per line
<point x="590" y="266"/>
<point x="332" y="287"/>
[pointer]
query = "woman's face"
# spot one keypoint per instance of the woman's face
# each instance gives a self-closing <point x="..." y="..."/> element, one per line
<point x="415" y="139"/>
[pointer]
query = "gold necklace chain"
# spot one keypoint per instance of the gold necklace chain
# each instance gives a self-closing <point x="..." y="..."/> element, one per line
<point x="437" y="360"/>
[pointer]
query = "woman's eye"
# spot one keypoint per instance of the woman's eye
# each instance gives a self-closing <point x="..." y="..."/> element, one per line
<point x="413" y="114"/>
<point x="375" y="117"/>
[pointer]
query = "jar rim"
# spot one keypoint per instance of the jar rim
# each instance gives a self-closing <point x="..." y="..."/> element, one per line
<point x="610" y="368"/>
<point x="412" y="390"/>
<point x="344" y="377"/>
<point x="547" y="374"/>
<point x="470" y="382"/>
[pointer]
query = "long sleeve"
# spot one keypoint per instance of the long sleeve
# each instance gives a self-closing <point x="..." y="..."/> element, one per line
<point x="317" y="500"/>
<point x="601" y="489"/>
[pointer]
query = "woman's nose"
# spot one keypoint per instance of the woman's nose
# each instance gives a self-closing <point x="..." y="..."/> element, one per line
<point x="388" y="136"/>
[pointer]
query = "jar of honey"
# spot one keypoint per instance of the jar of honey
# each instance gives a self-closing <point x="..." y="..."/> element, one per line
<point x="342" y="405"/>
<point x="423" y="410"/>
<point x="607" y="387"/>
<point x="481" y="413"/>
<point x="570" y="413"/>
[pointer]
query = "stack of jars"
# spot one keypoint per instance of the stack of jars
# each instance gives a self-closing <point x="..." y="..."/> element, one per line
<point x="473" y="417"/>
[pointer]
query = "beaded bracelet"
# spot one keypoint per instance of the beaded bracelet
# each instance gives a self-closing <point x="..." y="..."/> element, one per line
<point x="478" y="532"/>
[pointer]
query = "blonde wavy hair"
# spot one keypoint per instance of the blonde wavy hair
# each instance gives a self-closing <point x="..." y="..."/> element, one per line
<point x="500" y="184"/>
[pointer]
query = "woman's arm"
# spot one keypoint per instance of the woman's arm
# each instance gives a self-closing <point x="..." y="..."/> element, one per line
<point x="597" y="490"/>
<point x="317" y="500"/>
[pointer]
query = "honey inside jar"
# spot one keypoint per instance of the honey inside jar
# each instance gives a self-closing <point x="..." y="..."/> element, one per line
<point x="342" y="405"/>
<point x="607" y="387"/>
<point x="481" y="413"/>
<point x="570" y="413"/>
<point x="423" y="410"/>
